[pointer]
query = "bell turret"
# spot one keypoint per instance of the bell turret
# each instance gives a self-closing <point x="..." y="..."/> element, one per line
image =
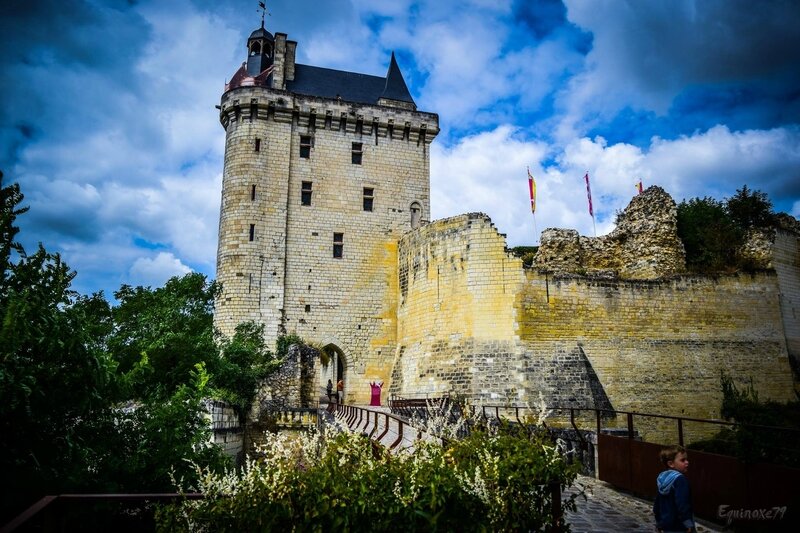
<point x="260" y="51"/>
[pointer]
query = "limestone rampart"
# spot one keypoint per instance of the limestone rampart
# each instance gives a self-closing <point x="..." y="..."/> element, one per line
<point x="473" y="322"/>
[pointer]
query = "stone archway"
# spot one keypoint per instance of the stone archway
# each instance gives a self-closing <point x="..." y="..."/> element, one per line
<point x="335" y="370"/>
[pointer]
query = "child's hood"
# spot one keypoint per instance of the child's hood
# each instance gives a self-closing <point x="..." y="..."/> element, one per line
<point x="666" y="479"/>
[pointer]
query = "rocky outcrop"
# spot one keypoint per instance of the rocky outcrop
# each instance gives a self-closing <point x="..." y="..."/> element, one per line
<point x="644" y="245"/>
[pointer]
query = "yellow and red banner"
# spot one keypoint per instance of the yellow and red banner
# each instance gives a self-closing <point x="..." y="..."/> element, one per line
<point x="532" y="188"/>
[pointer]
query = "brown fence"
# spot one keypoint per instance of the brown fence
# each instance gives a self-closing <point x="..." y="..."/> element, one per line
<point x="724" y="489"/>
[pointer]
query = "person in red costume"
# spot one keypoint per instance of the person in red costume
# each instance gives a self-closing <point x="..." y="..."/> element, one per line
<point x="376" y="393"/>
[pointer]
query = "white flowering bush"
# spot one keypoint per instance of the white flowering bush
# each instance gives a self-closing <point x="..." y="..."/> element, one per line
<point x="340" y="481"/>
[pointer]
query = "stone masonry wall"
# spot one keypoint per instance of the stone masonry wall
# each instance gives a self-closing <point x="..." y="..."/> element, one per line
<point x="644" y="245"/>
<point x="472" y="321"/>
<point x="457" y="290"/>
<point x="350" y="302"/>
<point x="226" y="429"/>
<point x="786" y="253"/>
<point x="287" y="277"/>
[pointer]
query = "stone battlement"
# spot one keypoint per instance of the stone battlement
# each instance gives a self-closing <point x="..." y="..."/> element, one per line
<point x="323" y="113"/>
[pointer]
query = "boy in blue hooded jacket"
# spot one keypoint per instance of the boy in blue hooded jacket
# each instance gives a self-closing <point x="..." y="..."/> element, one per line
<point x="673" y="505"/>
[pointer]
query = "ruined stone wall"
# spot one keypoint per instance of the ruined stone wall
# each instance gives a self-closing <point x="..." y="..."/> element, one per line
<point x="471" y="321"/>
<point x="644" y="245"/>
<point x="226" y="428"/>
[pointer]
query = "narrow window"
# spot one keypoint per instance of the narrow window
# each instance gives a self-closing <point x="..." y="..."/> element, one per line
<point x="338" y="245"/>
<point x="416" y="215"/>
<point x="252" y="193"/>
<point x="258" y="144"/>
<point x="252" y="231"/>
<point x="305" y="146"/>
<point x="308" y="308"/>
<point x="305" y="193"/>
<point x="357" y="152"/>
<point x="369" y="197"/>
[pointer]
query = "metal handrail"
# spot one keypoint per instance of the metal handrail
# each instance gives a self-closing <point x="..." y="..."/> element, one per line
<point x="518" y="408"/>
<point x="47" y="501"/>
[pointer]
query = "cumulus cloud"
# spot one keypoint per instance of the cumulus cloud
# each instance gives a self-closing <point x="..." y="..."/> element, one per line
<point x="646" y="53"/>
<point x="155" y="271"/>
<point x="107" y="118"/>
<point x="485" y="172"/>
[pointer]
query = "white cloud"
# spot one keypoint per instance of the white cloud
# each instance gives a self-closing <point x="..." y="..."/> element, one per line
<point x="155" y="271"/>
<point x="121" y="161"/>
<point x="486" y="172"/>
<point x="646" y="52"/>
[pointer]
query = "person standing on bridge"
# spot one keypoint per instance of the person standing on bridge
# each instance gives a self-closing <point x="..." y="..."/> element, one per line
<point x="329" y="390"/>
<point x="375" y="389"/>
<point x="673" y="505"/>
<point x="340" y="390"/>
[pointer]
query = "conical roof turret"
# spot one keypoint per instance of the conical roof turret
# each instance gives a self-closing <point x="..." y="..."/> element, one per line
<point x="396" y="88"/>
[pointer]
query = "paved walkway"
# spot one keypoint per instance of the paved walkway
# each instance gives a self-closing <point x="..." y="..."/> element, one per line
<point x="606" y="509"/>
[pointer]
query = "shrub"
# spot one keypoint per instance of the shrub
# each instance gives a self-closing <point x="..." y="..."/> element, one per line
<point x="755" y="444"/>
<point x="343" y="481"/>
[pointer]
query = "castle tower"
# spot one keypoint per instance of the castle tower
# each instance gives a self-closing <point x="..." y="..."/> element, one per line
<point x="324" y="171"/>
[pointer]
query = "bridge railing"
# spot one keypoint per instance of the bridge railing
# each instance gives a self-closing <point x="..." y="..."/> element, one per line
<point x="626" y="446"/>
<point x="388" y="429"/>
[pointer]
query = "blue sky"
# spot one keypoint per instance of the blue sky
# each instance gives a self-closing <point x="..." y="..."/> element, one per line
<point x="107" y="115"/>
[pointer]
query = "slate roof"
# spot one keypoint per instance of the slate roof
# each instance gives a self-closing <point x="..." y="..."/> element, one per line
<point x="350" y="86"/>
<point x="261" y="32"/>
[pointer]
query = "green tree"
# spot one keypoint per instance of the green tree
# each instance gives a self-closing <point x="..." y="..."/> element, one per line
<point x="160" y="335"/>
<point x="709" y="235"/>
<point x="243" y="361"/>
<point x="53" y="379"/>
<point x="96" y="398"/>
<point x="750" y="209"/>
<point x="712" y="231"/>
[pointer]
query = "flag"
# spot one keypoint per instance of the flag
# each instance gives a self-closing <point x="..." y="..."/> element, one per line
<point x="532" y="188"/>
<point x="639" y="186"/>
<point x="589" y="195"/>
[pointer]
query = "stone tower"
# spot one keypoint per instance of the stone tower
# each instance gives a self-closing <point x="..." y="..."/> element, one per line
<point x="324" y="171"/>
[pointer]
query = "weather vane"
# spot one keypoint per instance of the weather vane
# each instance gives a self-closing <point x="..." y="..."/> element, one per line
<point x="262" y="7"/>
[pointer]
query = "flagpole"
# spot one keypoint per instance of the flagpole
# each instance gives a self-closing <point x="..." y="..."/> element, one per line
<point x="589" y="197"/>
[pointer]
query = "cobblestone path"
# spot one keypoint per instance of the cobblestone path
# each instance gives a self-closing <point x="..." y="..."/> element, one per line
<point x="606" y="509"/>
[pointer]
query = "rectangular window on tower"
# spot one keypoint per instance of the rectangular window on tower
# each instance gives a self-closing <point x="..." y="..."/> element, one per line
<point x="369" y="198"/>
<point x="305" y="193"/>
<point x="257" y="144"/>
<point x="357" y="152"/>
<point x="252" y="193"/>
<point x="252" y="232"/>
<point x="338" y="245"/>
<point x="305" y="146"/>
